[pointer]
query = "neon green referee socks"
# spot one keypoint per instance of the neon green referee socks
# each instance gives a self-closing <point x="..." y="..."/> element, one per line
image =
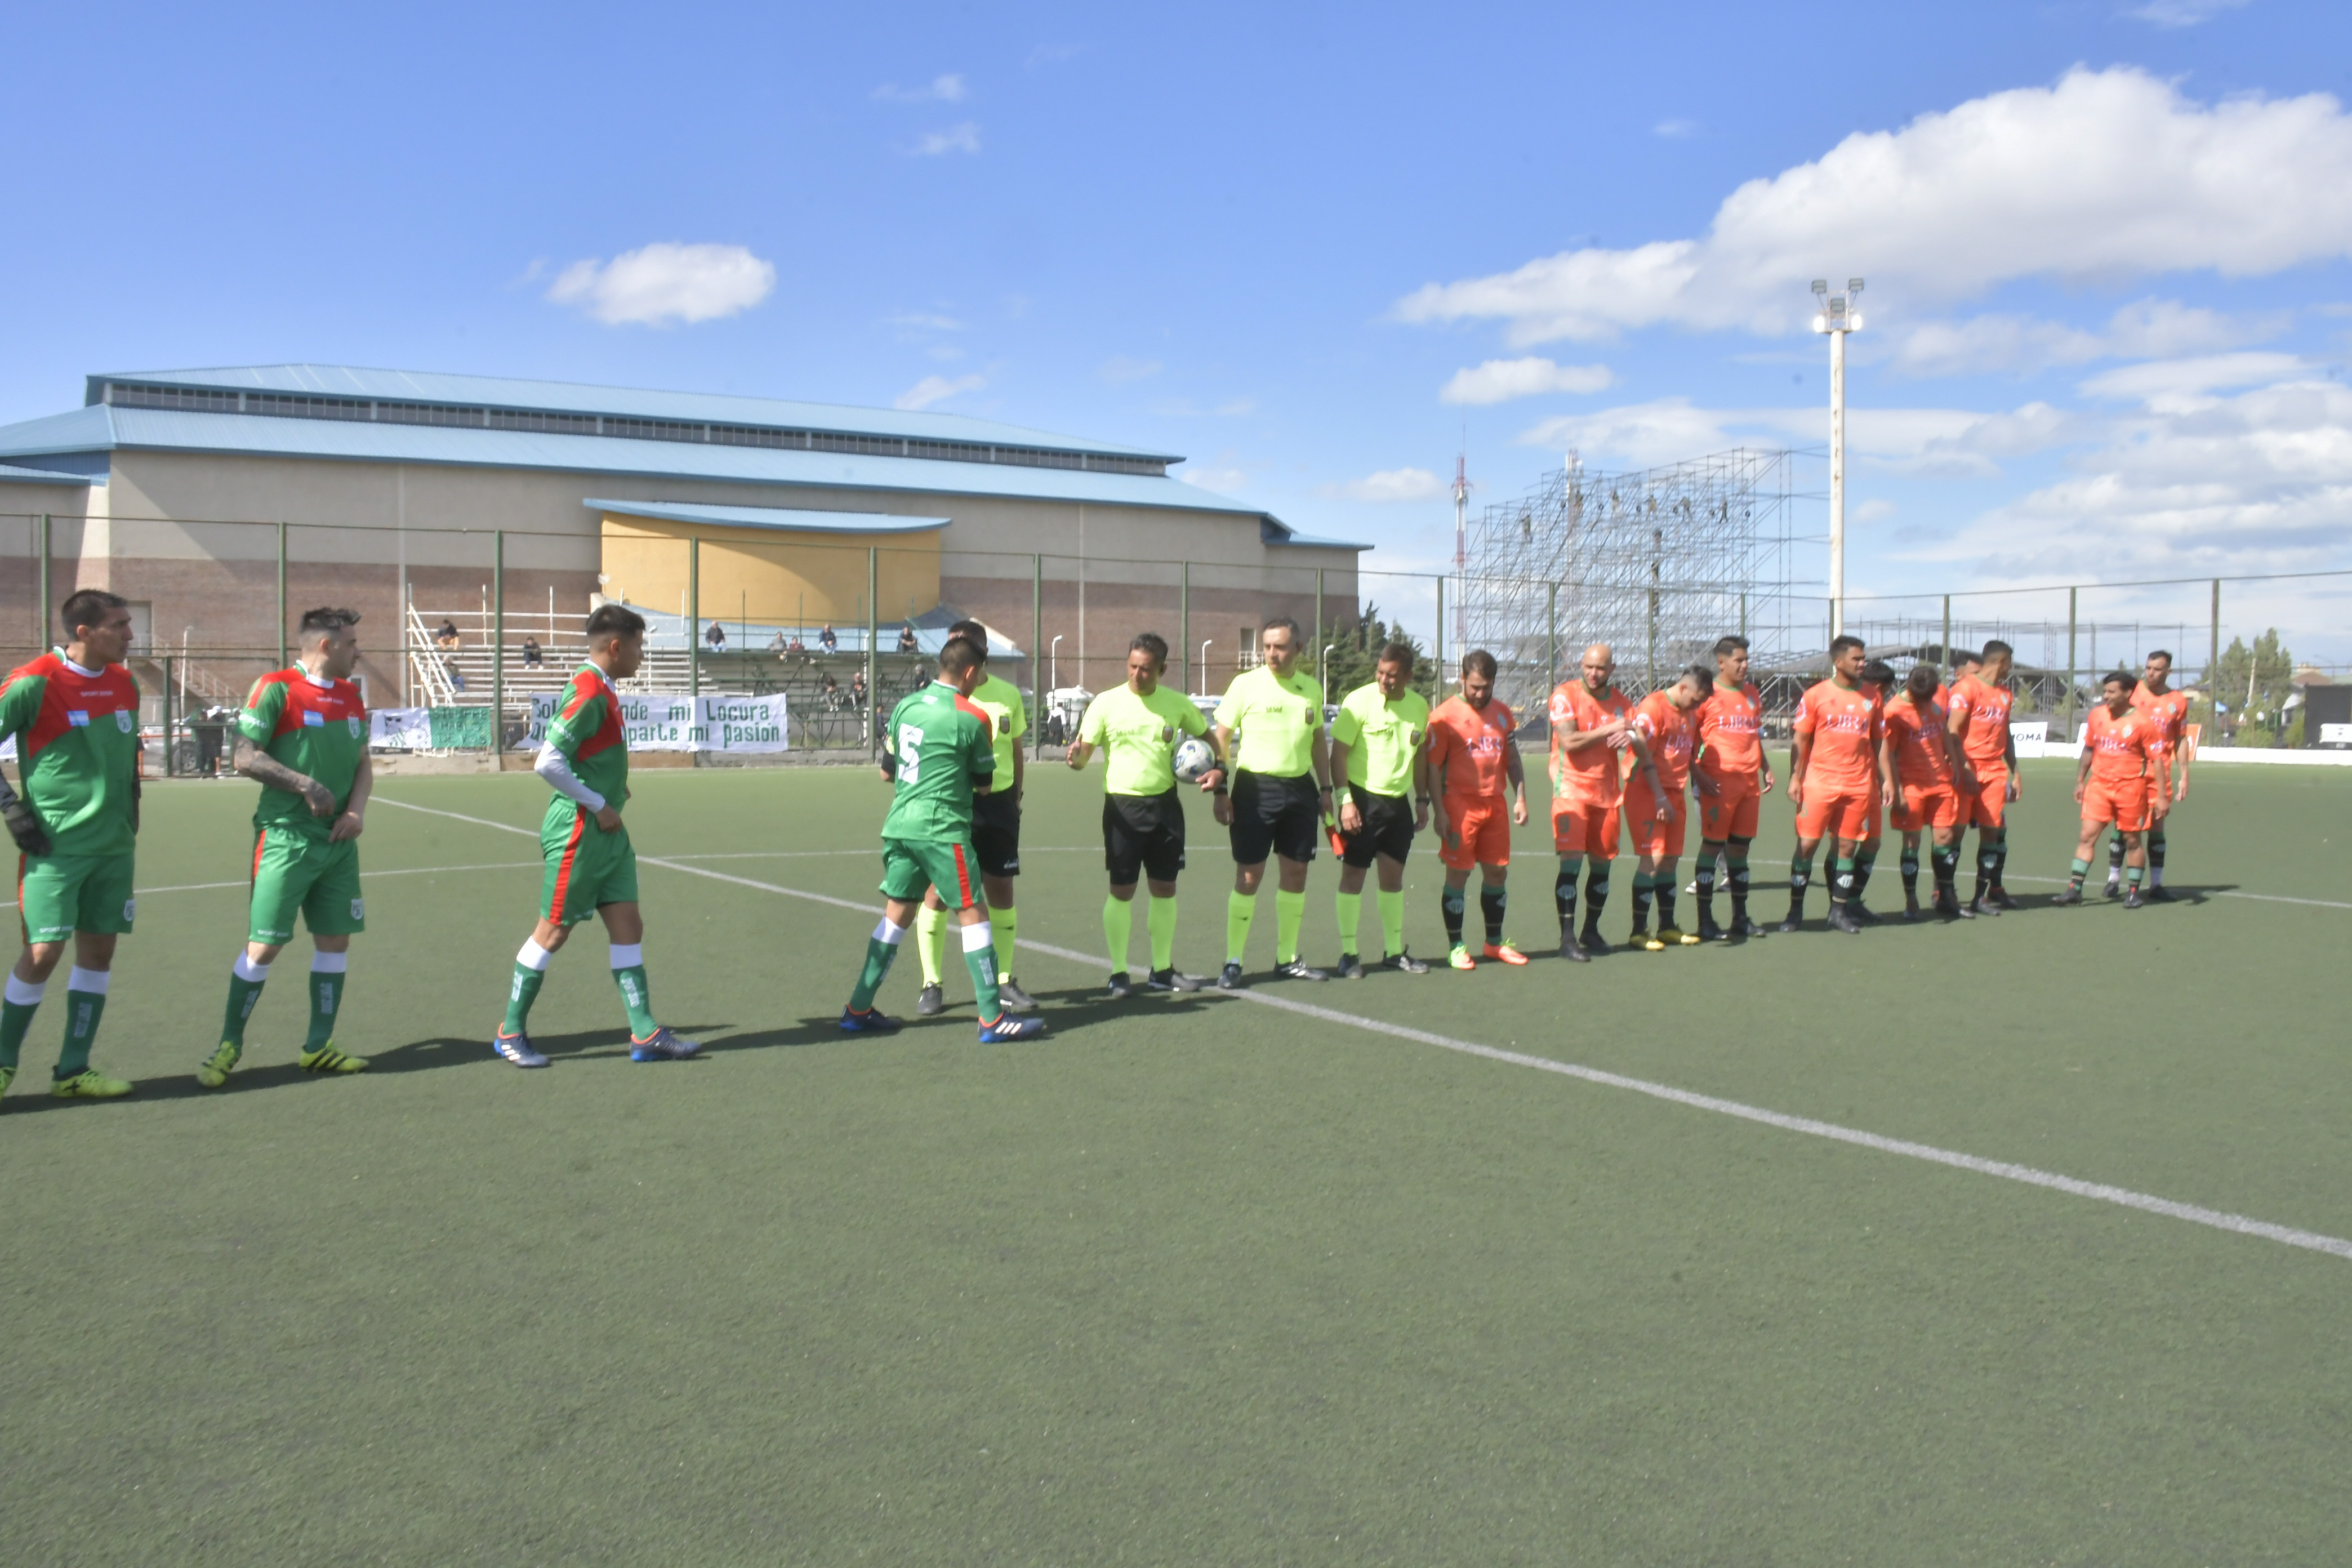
<point x="1162" y="919"/>
<point x="1118" y="926"/>
<point x="930" y="941"/>
<point x="1289" y="916"/>
<point x="1005" y="922"/>
<point x="1240" y="909"/>
<point x="1352" y="915"/>
<point x="1391" y="923"/>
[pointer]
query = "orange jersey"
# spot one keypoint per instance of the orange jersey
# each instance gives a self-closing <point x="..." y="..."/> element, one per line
<point x="2125" y="750"/>
<point x="1672" y="736"/>
<point x="1730" y="736"/>
<point x="1984" y="734"/>
<point x="1846" y="727"/>
<point x="1473" y="746"/>
<point x="2170" y="712"/>
<point x="1918" y="737"/>
<point x="1592" y="774"/>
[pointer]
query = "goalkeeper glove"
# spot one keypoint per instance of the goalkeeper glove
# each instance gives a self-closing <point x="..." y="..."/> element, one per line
<point x="23" y="827"/>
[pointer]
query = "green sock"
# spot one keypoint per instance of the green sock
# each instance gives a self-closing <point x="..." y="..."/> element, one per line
<point x="2076" y="870"/>
<point x="1352" y="914"/>
<point x="326" y="1000"/>
<point x="520" y="996"/>
<point x="2132" y="875"/>
<point x="1289" y="915"/>
<point x="83" y="1010"/>
<point x="1240" y="909"/>
<point x="1119" y="925"/>
<point x="636" y="993"/>
<point x="1162" y="919"/>
<point x="242" y="996"/>
<point x="979" y="959"/>
<point x="1391" y="922"/>
<point x="930" y="941"/>
<point x="15" y="1017"/>
<point x="880" y="949"/>
<point x="1004" y="922"/>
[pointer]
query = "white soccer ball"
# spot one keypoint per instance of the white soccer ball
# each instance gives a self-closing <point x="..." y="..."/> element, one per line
<point x="1193" y="758"/>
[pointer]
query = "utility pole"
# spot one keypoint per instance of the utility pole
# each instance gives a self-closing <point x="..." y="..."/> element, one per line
<point x="1461" y="550"/>
<point x="1837" y="319"/>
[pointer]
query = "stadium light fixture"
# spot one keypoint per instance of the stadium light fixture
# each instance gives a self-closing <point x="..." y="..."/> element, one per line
<point x="1054" y="664"/>
<point x="1836" y="319"/>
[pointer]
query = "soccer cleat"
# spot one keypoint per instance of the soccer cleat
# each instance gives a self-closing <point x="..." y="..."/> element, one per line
<point x="1981" y="906"/>
<point x="662" y="1046"/>
<point x="1460" y="958"/>
<point x="1674" y="936"/>
<point x="1710" y="931"/>
<point x="1350" y="967"/>
<point x="931" y="1002"/>
<point x="1404" y="963"/>
<point x="1646" y="942"/>
<point x="1594" y="942"/>
<point x="1910" y="907"/>
<point x="1229" y="978"/>
<point x="1791" y="923"/>
<point x="2001" y="895"/>
<point x="870" y="1022"/>
<point x="516" y="1048"/>
<point x="2067" y="896"/>
<point x="7" y="1077"/>
<point x="1744" y="926"/>
<point x="2114" y="886"/>
<point x="1574" y="950"/>
<point x="1860" y="913"/>
<point x="2161" y="893"/>
<point x="1506" y="953"/>
<point x="1009" y="1026"/>
<point x="88" y="1084"/>
<point x="1172" y="979"/>
<point x="1842" y="920"/>
<point x="216" y="1068"/>
<point x="1013" y="997"/>
<point x="1121" y="987"/>
<point x="325" y="1059"/>
<point x="1298" y="969"/>
<point x="2132" y="901"/>
<point x="1949" y="906"/>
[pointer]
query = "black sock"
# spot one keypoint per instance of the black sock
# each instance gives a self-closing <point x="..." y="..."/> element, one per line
<point x="2156" y="848"/>
<point x="1563" y="899"/>
<point x="1910" y="876"/>
<point x="1801" y="874"/>
<point x="1862" y="865"/>
<point x="1665" y="903"/>
<point x="1451" y="901"/>
<point x="2114" y="857"/>
<point x="1490" y="904"/>
<point x="2000" y="864"/>
<point x="1985" y="859"/>
<point x="1596" y="893"/>
<point x="1736" y="872"/>
<point x="1705" y="889"/>
<point x="1642" y="881"/>
<point x="1946" y="863"/>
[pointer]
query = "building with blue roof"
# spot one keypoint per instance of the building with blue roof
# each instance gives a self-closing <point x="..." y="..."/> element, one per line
<point x="170" y="487"/>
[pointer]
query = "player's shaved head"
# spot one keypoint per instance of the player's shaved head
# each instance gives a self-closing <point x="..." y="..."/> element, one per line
<point x="960" y="657"/>
<point x="973" y="630"/>
<point x="322" y="624"/>
<point x="1599" y="663"/>
<point x="1726" y="647"/>
<point x="609" y="622"/>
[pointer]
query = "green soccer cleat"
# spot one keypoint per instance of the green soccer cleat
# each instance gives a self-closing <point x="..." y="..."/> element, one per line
<point x="90" y="1084"/>
<point x="7" y="1076"/>
<point x="1460" y="957"/>
<point x="325" y="1059"/>
<point x="217" y="1067"/>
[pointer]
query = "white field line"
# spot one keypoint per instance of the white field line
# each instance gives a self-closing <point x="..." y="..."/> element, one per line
<point x="2123" y="1196"/>
<point x="404" y="871"/>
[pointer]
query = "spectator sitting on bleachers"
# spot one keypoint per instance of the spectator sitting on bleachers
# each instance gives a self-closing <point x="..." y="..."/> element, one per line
<point x="906" y="643"/>
<point x="858" y="689"/>
<point x="830" y="696"/>
<point x="826" y="640"/>
<point x="530" y="654"/>
<point x="717" y="637"/>
<point x="776" y="643"/>
<point x="447" y="636"/>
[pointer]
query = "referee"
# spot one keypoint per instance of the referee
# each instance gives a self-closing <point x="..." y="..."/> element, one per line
<point x="1379" y="746"/>
<point x="1137" y="727"/>
<point x="995" y="843"/>
<point x="1281" y="790"/>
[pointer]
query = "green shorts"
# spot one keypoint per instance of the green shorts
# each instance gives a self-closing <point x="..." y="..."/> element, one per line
<point x="294" y="870"/>
<point x="587" y="868"/>
<point x="910" y="866"/>
<point x="58" y="895"/>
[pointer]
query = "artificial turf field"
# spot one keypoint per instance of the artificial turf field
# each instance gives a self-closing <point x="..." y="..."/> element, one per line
<point x="1191" y="1280"/>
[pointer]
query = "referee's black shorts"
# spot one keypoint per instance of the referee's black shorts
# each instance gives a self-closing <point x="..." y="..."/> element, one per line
<point x="1277" y="814"/>
<point x="1388" y="830"/>
<point x="997" y="834"/>
<point x="1143" y="834"/>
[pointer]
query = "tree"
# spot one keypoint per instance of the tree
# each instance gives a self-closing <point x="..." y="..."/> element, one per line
<point x="2252" y="686"/>
<point x="1356" y="652"/>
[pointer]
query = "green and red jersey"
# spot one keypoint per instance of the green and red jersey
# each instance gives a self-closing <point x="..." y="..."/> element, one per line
<point x="318" y="728"/>
<point x="586" y="730"/>
<point x="77" y="751"/>
<point x="938" y="745"/>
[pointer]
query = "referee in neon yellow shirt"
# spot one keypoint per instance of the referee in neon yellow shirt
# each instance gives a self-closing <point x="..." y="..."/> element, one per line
<point x="1271" y="724"/>
<point x="1380" y="749"/>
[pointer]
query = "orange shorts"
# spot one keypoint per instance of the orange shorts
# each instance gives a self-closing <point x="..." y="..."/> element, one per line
<point x="1984" y="806"/>
<point x="2156" y="795"/>
<point x="2126" y="806"/>
<point x="1578" y="828"/>
<point x="1848" y="816"/>
<point x="1731" y="812"/>
<point x="1660" y="841"/>
<point x="1480" y="834"/>
<point x="1919" y="809"/>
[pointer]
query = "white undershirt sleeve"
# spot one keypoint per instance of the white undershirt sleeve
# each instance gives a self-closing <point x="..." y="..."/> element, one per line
<point x="556" y="769"/>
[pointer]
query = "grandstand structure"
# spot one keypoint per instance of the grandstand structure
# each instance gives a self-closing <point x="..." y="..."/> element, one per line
<point x="1658" y="563"/>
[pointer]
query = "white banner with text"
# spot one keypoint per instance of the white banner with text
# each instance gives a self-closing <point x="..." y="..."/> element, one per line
<point x="654" y="724"/>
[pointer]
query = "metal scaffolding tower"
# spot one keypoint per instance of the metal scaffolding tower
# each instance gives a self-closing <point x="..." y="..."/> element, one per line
<point x="1658" y="564"/>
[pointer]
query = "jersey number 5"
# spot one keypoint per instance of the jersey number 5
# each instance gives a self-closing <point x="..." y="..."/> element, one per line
<point x="911" y="753"/>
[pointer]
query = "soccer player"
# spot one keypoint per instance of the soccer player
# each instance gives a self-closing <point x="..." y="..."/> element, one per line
<point x="1833" y="779"/>
<point x="2120" y="779"/>
<point x="1281" y="793"/>
<point x="1380" y="748"/>
<point x="1989" y="779"/>
<point x="1878" y="679"/>
<point x="938" y="755"/>
<point x="1657" y="809"/>
<point x="2169" y="708"/>
<point x="1732" y="778"/>
<point x="303" y="737"/>
<point x="1918" y="760"/>
<point x="995" y="842"/>
<point x="592" y="868"/>
<point x="1136" y="727"/>
<point x="1476" y="766"/>
<point x="1591" y="732"/>
<point x="75" y="713"/>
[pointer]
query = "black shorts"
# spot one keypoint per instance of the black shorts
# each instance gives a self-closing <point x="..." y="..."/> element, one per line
<point x="1388" y="830"/>
<point x="1277" y="814"/>
<point x="997" y="834"/>
<point x="1143" y="834"/>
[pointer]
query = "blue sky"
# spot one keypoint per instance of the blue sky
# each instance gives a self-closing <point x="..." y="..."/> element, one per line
<point x="2105" y="240"/>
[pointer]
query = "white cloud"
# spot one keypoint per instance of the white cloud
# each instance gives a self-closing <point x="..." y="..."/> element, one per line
<point x="1500" y="379"/>
<point x="1675" y="128"/>
<point x="939" y="90"/>
<point x="2174" y="385"/>
<point x="1878" y="509"/>
<point x="1119" y="369"/>
<point x="2143" y="329"/>
<point x="1388" y="485"/>
<point x="936" y="388"/>
<point x="964" y="138"/>
<point x="917" y="321"/>
<point x="2105" y="175"/>
<point x="1224" y="477"/>
<point x="1924" y="442"/>
<point x="2182" y="13"/>
<point x="664" y="282"/>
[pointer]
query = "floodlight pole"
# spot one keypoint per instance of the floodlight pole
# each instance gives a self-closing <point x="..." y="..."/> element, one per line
<point x="1837" y="319"/>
